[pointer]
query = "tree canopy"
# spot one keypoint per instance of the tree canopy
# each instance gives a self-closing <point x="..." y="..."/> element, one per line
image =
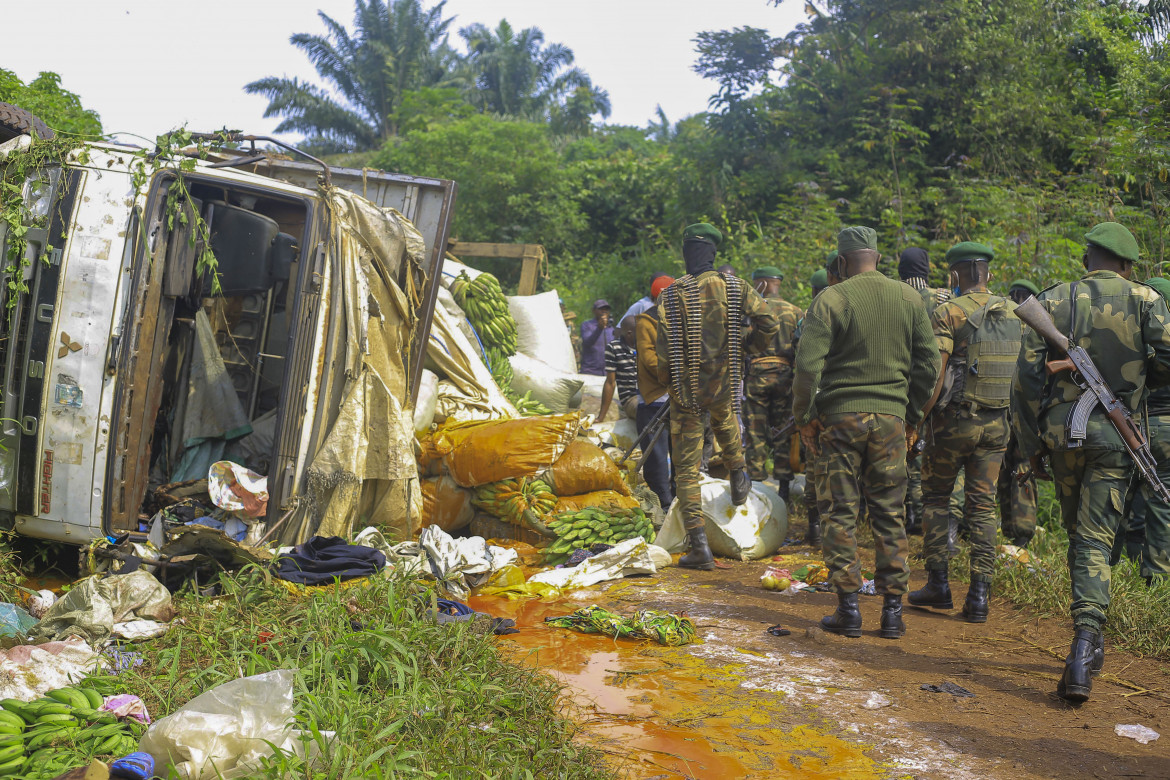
<point x="59" y="108"/>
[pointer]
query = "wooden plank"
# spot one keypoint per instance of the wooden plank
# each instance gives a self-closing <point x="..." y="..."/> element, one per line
<point x="476" y="249"/>
<point x="528" y="273"/>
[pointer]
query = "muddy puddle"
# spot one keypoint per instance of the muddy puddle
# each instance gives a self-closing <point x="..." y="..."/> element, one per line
<point x="690" y="712"/>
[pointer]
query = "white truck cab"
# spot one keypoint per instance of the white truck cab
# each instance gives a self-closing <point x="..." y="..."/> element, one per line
<point x="97" y="354"/>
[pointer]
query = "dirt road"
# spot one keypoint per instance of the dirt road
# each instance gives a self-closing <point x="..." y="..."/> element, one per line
<point x="812" y="705"/>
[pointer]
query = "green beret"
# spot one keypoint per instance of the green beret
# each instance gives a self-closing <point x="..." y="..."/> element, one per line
<point x="1114" y="238"/>
<point x="832" y="256"/>
<point x="969" y="250"/>
<point x="820" y="278"/>
<point x="703" y="230"/>
<point x="767" y="272"/>
<point x="1025" y="284"/>
<point x="856" y="237"/>
<point x="1161" y="284"/>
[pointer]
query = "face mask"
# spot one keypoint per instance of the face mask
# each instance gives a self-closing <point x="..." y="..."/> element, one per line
<point x="699" y="256"/>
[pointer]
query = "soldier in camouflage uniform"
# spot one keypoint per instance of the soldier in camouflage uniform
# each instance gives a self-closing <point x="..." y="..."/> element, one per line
<point x="699" y="336"/>
<point x="914" y="270"/>
<point x="979" y="340"/>
<point x="768" y="387"/>
<point x="1155" y="554"/>
<point x="868" y="354"/>
<point x="812" y="537"/>
<point x="1125" y="328"/>
<point x="1016" y="492"/>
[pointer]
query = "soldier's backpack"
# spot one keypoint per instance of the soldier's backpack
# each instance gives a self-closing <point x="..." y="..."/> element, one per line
<point x="992" y="351"/>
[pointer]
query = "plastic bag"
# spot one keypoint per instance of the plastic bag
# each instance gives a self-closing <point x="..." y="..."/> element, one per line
<point x="585" y="468"/>
<point x="94" y="605"/>
<point x="226" y="731"/>
<point x="541" y="332"/>
<point x="445" y="504"/>
<point x="554" y="388"/>
<point x="236" y="489"/>
<point x="14" y="621"/>
<point x="427" y="401"/>
<point x="746" y="533"/>
<point x="622" y="560"/>
<point x="476" y="453"/>
<point x="1143" y="734"/>
<point x="602" y="499"/>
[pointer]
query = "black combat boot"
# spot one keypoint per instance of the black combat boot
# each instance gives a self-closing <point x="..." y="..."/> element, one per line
<point x="783" y="488"/>
<point x="1098" y="661"/>
<point x="700" y="556"/>
<point x="846" y="621"/>
<point x="812" y="536"/>
<point x="1077" y="680"/>
<point x="913" y="521"/>
<point x="975" y="608"/>
<point x="936" y="593"/>
<point x="741" y="486"/>
<point x="892" y="625"/>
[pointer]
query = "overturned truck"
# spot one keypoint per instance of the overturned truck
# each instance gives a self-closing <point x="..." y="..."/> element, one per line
<point x="126" y="367"/>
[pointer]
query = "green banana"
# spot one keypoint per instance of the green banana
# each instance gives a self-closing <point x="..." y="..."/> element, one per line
<point x="56" y="717"/>
<point x="12" y="767"/>
<point x="9" y="752"/>
<point x="70" y="696"/>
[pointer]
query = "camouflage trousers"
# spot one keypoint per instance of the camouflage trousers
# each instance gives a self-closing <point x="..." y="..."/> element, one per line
<point x="863" y="455"/>
<point x="1016" y="495"/>
<point x="914" y="490"/>
<point x="686" y="452"/>
<point x="1091" y="486"/>
<point x="1156" y="551"/>
<point x="768" y="405"/>
<point x="971" y="442"/>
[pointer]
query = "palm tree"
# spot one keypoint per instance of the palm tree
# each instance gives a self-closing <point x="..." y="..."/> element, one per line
<point x="397" y="46"/>
<point x="513" y="73"/>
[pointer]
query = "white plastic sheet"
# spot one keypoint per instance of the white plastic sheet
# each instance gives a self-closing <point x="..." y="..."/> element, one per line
<point x="624" y="559"/>
<point x="462" y="564"/>
<point x="227" y="731"/>
<point x="746" y="533"/>
<point x="541" y="332"/>
<point x="28" y="672"/>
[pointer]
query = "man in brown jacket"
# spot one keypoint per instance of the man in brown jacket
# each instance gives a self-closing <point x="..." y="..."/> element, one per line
<point x="656" y="467"/>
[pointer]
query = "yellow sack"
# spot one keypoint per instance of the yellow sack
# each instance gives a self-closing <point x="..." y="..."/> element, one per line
<point x="584" y="468"/>
<point x="602" y="499"/>
<point x="476" y="453"/>
<point x="445" y="504"/>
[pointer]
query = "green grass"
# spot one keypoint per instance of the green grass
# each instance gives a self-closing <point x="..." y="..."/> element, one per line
<point x="405" y="696"/>
<point x="1139" y="616"/>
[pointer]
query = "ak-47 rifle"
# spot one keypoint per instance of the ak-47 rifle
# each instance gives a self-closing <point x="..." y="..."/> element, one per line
<point x="1086" y="376"/>
<point x="785" y="430"/>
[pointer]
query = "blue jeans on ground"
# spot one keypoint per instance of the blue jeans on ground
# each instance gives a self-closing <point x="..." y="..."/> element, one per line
<point x="656" y="466"/>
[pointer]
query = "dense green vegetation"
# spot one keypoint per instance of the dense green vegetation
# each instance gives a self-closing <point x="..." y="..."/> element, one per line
<point x="1014" y="122"/>
<point x="59" y="108"/>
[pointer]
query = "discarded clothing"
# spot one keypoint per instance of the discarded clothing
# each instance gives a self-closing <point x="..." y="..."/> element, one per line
<point x="136" y="766"/>
<point x="663" y="627"/>
<point x="626" y="558"/>
<point x="461" y="564"/>
<point x="321" y="560"/>
<point x="126" y="705"/>
<point x="951" y="688"/>
<point x="123" y="659"/>
<point x="581" y="555"/>
<point x="449" y="611"/>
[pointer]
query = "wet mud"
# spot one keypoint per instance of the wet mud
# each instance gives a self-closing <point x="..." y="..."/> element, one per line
<point x="745" y="704"/>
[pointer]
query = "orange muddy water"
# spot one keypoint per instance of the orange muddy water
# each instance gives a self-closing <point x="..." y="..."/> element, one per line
<point x="670" y="713"/>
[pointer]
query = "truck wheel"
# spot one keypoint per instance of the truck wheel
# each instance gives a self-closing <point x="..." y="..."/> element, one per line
<point x="16" y="121"/>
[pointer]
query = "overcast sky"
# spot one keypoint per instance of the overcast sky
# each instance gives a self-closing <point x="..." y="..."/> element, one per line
<point x="147" y="66"/>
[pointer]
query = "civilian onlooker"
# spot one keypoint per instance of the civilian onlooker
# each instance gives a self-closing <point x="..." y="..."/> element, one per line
<point x="645" y="302"/>
<point x="595" y="334"/>
<point x="656" y="466"/>
<point x="621" y="372"/>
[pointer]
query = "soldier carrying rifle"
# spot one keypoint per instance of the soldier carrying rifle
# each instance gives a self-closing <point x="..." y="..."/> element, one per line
<point x="1100" y="327"/>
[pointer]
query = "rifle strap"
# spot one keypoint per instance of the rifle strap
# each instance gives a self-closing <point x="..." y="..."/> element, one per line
<point x="1072" y="312"/>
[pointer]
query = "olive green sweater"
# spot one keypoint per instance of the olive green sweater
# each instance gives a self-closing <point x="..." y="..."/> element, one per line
<point x="866" y="346"/>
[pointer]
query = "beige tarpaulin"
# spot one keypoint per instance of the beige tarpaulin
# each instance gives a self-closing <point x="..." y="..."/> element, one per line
<point x="466" y="388"/>
<point x="365" y="470"/>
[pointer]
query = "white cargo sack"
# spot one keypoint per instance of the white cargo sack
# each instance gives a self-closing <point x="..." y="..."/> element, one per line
<point x="541" y="332"/>
<point x="747" y="533"/>
<point x="428" y="399"/>
<point x="620" y="433"/>
<point x="557" y="390"/>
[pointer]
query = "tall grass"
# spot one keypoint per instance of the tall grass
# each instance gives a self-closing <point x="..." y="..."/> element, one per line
<point x="1139" y="615"/>
<point x="404" y="696"/>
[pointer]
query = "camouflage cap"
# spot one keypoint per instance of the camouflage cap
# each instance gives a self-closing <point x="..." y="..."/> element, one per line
<point x="820" y="278"/>
<point x="703" y="230"/>
<point x="856" y="237"/>
<point x="1114" y="238"/>
<point x="969" y="250"/>
<point x="1161" y="284"/>
<point x="1025" y="284"/>
<point x="767" y="272"/>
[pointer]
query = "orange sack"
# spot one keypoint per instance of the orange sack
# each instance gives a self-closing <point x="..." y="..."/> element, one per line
<point x="445" y="504"/>
<point x="584" y="468"/>
<point x="476" y="453"/>
<point x="601" y="499"/>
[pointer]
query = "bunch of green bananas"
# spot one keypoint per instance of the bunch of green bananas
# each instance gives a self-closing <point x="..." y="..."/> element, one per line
<point x="509" y="499"/>
<point x="30" y="730"/>
<point x="590" y="526"/>
<point x="483" y="302"/>
<point x="526" y="405"/>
